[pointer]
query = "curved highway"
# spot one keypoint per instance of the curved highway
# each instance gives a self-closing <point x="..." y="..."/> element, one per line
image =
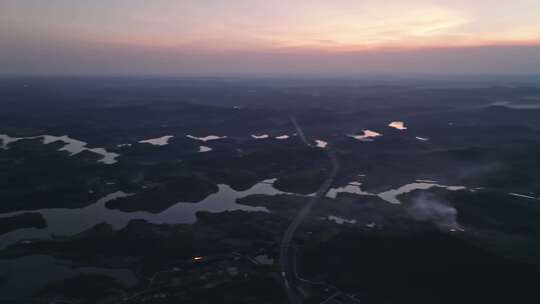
<point x="288" y="274"/>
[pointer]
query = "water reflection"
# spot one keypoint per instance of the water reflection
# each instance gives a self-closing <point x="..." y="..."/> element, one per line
<point x="206" y="138"/>
<point x="6" y="140"/>
<point x="73" y="146"/>
<point x="400" y="125"/>
<point x="391" y="195"/>
<point x="321" y="143"/>
<point x="20" y="279"/>
<point x="367" y="135"/>
<point x="340" y="220"/>
<point x="204" y="149"/>
<point x="353" y="188"/>
<point x="62" y="221"/>
<point x="260" y="136"/>
<point x="160" y="141"/>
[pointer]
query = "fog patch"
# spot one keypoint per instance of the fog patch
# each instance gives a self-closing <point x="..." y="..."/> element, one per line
<point x="478" y="170"/>
<point x="427" y="208"/>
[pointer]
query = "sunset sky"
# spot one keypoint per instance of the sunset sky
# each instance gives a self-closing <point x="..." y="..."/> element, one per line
<point x="269" y="36"/>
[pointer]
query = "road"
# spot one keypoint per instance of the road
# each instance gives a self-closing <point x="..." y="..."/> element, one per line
<point x="299" y="131"/>
<point x="287" y="270"/>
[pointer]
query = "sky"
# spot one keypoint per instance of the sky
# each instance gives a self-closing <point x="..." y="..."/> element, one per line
<point x="269" y="36"/>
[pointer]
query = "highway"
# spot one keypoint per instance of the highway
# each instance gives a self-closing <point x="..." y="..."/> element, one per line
<point x="299" y="131"/>
<point x="287" y="270"/>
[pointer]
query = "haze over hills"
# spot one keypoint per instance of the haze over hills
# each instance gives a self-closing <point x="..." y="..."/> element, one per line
<point x="152" y="186"/>
<point x="269" y="151"/>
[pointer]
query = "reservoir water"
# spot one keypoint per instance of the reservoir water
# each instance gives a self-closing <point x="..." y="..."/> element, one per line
<point x="61" y="221"/>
